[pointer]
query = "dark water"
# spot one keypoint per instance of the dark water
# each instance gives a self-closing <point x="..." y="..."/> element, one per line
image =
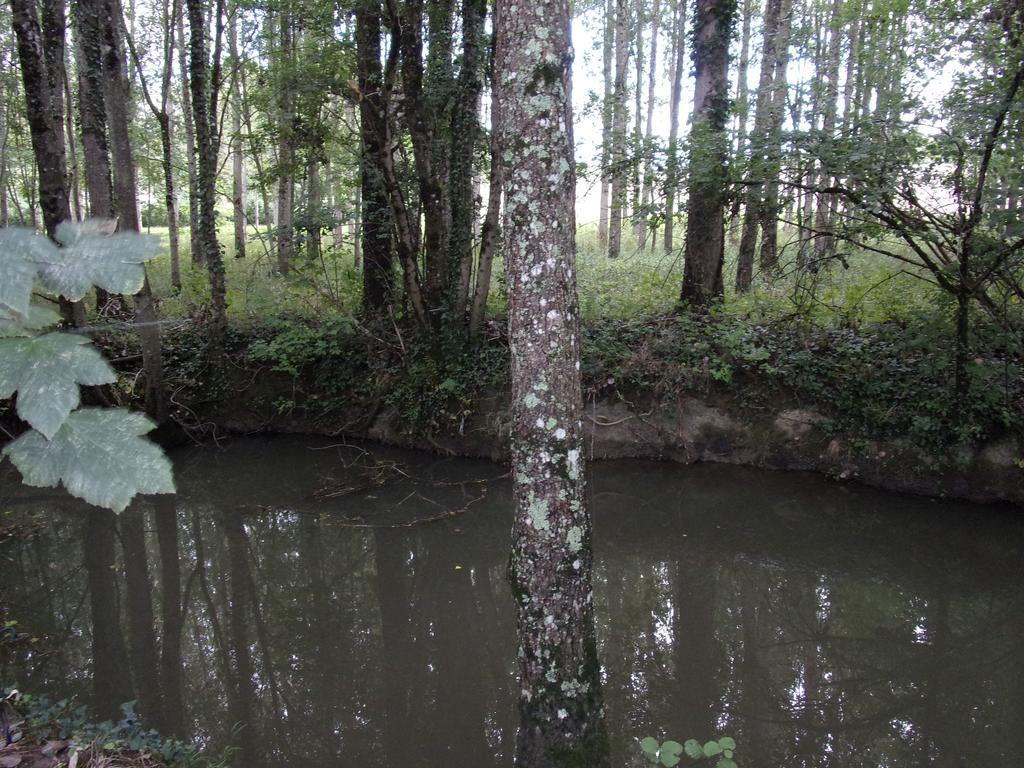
<point x="820" y="625"/>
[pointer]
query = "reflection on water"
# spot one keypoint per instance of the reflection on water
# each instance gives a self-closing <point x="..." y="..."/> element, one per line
<point x="288" y="603"/>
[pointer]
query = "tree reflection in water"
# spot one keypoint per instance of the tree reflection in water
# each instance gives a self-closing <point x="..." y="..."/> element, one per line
<point x="819" y="625"/>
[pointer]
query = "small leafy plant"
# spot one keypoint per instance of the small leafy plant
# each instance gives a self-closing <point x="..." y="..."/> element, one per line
<point x="98" y="454"/>
<point x="669" y="753"/>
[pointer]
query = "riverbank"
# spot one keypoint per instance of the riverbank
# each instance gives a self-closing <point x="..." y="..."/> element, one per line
<point x="872" y="404"/>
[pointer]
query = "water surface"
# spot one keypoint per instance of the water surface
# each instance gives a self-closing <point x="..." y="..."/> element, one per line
<point x="347" y="605"/>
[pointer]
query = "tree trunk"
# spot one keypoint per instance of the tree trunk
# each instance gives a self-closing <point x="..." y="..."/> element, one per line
<point x="286" y="143"/>
<point x="47" y="134"/>
<point x="708" y="173"/>
<point x="378" y="269"/>
<point x="760" y="141"/>
<point x="464" y="137"/>
<point x="619" y="118"/>
<point x="672" y="164"/>
<point x="195" y="243"/>
<point x="742" y="108"/>
<point x="647" y="193"/>
<point x="823" y="244"/>
<point x="204" y="110"/>
<point x="314" y="201"/>
<point x="46" y="125"/>
<point x="490" y="234"/>
<point x="116" y="97"/>
<point x="607" y="109"/>
<point x="237" y="160"/>
<point x="551" y="562"/>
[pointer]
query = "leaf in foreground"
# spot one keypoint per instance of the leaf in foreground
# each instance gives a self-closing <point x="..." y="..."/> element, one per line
<point x="45" y="371"/>
<point x="90" y="257"/>
<point x="99" y="455"/>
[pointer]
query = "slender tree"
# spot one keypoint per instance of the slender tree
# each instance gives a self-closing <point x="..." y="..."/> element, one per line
<point x="672" y="165"/>
<point x="620" y="115"/>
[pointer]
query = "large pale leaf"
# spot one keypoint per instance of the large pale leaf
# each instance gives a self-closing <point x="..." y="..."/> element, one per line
<point x="91" y="257"/>
<point x="20" y="250"/>
<point x="99" y="455"/>
<point x="36" y="319"/>
<point x="45" y="371"/>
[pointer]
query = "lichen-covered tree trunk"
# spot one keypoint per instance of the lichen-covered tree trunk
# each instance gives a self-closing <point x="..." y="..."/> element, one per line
<point x="705" y="221"/>
<point x="672" y="161"/>
<point x="551" y="561"/>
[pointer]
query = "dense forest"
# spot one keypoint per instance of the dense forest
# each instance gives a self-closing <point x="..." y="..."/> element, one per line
<point x="786" y="234"/>
<point x="798" y="167"/>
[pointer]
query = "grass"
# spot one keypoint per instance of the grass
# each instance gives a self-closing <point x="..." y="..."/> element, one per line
<point x="638" y="284"/>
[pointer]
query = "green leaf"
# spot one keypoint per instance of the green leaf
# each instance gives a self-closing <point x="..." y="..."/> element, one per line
<point x="727" y="742"/>
<point x="45" y="371"/>
<point x="92" y="257"/>
<point x="670" y="752"/>
<point x="727" y="752"/>
<point x="20" y="249"/>
<point x="649" y="745"/>
<point x="711" y="749"/>
<point x="693" y="749"/>
<point x="36" y="319"/>
<point x="99" y="456"/>
<point x="725" y="763"/>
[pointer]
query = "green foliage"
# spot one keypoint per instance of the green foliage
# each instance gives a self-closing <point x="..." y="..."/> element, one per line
<point x="669" y="753"/>
<point x="98" y="454"/>
<point x="65" y="726"/>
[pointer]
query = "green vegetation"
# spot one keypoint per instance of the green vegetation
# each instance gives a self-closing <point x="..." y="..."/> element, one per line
<point x="869" y="345"/>
<point x="38" y="728"/>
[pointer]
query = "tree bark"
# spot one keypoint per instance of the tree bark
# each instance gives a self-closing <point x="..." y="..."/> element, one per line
<point x="378" y="269"/>
<point x="772" y="49"/>
<point x="237" y="159"/>
<point x="464" y="137"/>
<point x="619" y="118"/>
<point x="286" y="142"/>
<point x="551" y="562"/>
<point x="708" y="173"/>
<point x="672" y="163"/>
<point x="490" y="234"/>
<point x="607" y="109"/>
<point x="204" y="110"/>
<point x="195" y="244"/>
<point x="824" y="243"/>
<point x="647" y="193"/>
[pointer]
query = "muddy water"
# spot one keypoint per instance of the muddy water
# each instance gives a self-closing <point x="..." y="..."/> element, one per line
<point x="347" y="605"/>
